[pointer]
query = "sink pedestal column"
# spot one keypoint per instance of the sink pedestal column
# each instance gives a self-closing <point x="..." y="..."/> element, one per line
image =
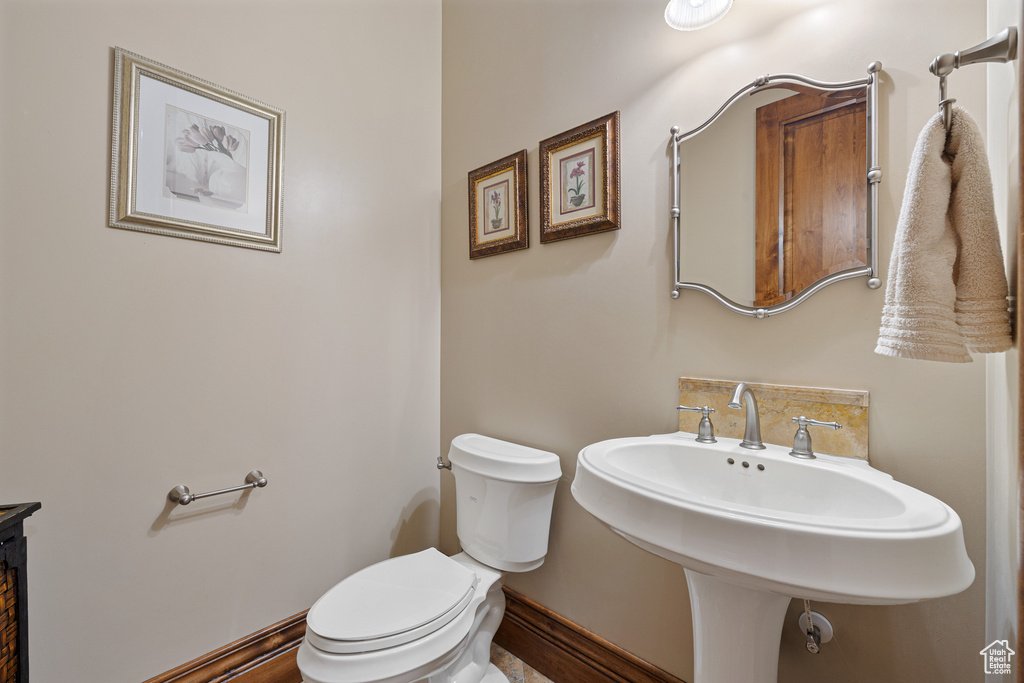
<point x="736" y="631"/>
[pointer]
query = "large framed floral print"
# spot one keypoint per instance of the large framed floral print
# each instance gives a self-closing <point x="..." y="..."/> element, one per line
<point x="498" y="216"/>
<point x="191" y="159"/>
<point x="579" y="180"/>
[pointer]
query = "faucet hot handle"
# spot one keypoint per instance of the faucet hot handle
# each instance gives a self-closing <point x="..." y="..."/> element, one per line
<point x="705" y="410"/>
<point x="802" y="438"/>
<point x="706" y="430"/>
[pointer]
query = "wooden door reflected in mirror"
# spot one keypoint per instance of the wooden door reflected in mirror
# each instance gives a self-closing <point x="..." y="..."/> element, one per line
<point x="811" y="196"/>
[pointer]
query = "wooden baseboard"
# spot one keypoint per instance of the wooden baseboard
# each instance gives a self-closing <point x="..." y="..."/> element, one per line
<point x="566" y="652"/>
<point x="561" y="650"/>
<point x="267" y="656"/>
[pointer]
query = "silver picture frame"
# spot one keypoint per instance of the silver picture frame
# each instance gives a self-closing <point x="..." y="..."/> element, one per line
<point x="194" y="160"/>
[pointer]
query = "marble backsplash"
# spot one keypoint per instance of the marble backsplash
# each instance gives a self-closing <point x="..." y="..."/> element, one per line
<point x="777" y="405"/>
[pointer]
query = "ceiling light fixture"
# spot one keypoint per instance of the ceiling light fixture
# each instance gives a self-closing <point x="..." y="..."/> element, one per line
<point x="690" y="15"/>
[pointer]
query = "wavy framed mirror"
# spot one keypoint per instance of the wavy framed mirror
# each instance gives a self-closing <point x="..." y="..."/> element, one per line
<point x="775" y="195"/>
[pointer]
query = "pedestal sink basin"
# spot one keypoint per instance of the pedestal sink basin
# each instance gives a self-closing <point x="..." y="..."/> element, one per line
<point x="755" y="528"/>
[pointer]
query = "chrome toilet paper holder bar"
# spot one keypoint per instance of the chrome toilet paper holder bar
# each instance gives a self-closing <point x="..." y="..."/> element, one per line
<point x="182" y="496"/>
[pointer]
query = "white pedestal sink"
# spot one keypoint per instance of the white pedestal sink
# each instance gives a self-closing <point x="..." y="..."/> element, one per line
<point x="756" y="528"/>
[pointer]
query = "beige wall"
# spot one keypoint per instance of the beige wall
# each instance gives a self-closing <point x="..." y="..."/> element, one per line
<point x="131" y="363"/>
<point x="569" y="343"/>
<point x="1002" y="524"/>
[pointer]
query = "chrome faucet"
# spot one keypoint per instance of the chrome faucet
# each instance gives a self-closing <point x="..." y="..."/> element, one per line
<point x="752" y="431"/>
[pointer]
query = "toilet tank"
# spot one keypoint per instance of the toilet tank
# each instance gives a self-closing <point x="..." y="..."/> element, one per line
<point x="504" y="493"/>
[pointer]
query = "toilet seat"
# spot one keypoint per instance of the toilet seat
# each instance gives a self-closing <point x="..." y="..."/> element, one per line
<point x="390" y="603"/>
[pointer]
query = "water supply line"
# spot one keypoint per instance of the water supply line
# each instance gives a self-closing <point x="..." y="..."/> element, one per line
<point x="813" y="644"/>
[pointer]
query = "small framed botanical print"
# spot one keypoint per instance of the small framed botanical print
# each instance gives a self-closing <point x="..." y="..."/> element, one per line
<point x="579" y="177"/>
<point x="498" y="217"/>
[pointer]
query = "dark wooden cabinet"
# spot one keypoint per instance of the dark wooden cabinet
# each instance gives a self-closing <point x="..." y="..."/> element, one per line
<point x="14" y="593"/>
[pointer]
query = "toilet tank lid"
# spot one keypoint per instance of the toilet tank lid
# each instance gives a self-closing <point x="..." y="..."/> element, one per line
<point x="502" y="460"/>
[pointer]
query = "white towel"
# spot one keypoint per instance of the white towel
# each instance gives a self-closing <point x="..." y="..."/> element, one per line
<point x="946" y="292"/>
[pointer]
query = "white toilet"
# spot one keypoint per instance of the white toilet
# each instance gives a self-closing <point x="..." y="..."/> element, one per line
<point x="429" y="617"/>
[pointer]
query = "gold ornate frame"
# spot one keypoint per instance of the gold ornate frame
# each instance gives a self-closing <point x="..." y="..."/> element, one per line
<point x="601" y="137"/>
<point x="258" y="226"/>
<point x="510" y="172"/>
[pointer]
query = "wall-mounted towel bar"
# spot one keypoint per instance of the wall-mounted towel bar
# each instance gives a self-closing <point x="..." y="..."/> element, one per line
<point x="181" y="495"/>
<point x="1000" y="48"/>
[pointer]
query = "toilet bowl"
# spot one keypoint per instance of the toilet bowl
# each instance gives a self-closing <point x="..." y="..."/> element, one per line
<point x="429" y="617"/>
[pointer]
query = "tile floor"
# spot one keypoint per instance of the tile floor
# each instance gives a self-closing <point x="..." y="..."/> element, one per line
<point x="514" y="668"/>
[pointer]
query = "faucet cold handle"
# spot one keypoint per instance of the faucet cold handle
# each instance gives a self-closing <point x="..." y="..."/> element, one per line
<point x="802" y="439"/>
<point x="706" y="430"/>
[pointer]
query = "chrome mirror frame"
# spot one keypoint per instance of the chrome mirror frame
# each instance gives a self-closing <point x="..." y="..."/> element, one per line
<point x="873" y="177"/>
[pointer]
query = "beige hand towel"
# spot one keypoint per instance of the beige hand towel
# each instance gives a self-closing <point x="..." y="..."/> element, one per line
<point x="946" y="291"/>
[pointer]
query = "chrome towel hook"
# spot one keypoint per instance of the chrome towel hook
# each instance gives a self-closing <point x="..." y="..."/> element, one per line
<point x="182" y="496"/>
<point x="1000" y="48"/>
